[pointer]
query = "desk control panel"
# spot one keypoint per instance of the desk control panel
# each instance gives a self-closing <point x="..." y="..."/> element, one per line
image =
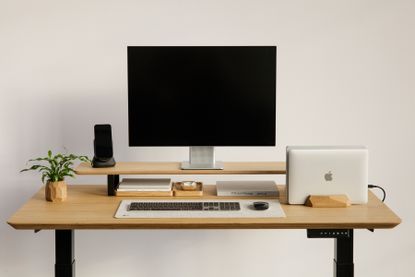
<point x="328" y="233"/>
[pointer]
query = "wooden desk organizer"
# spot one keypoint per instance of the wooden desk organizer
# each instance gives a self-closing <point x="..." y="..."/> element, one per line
<point x="178" y="191"/>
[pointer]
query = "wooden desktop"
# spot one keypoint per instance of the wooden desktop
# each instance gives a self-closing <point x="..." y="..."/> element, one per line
<point x="89" y="207"/>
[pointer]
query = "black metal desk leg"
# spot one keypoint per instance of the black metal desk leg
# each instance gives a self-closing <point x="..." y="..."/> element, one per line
<point x="343" y="256"/>
<point x="64" y="253"/>
<point x="343" y="249"/>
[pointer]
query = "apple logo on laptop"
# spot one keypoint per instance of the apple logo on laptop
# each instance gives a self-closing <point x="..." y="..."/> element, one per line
<point x="328" y="176"/>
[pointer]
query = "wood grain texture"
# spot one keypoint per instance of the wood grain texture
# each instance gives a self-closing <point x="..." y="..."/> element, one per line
<point x="89" y="207"/>
<point x="173" y="168"/>
<point x="144" y="193"/>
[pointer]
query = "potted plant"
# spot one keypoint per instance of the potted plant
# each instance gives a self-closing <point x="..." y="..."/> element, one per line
<point x="54" y="169"/>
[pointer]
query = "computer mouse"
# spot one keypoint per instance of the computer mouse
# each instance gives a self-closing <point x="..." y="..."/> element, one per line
<point x="260" y="205"/>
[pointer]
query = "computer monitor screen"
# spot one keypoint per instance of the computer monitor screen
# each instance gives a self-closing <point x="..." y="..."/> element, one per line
<point x="202" y="95"/>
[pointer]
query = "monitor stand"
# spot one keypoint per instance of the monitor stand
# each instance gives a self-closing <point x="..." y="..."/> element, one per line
<point x="202" y="157"/>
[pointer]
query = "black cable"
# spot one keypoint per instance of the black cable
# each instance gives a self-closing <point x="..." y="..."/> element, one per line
<point x="378" y="187"/>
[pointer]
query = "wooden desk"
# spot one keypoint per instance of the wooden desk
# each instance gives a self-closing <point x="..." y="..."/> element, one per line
<point x="89" y="207"/>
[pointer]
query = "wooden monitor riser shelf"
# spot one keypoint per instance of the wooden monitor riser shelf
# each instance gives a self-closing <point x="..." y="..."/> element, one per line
<point x="173" y="168"/>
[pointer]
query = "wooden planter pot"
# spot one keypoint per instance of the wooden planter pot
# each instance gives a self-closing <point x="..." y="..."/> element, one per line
<point x="56" y="191"/>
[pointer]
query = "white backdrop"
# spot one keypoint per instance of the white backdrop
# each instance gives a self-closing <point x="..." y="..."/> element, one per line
<point x="345" y="76"/>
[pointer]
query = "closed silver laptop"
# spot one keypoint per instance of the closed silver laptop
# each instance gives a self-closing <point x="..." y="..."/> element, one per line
<point x="327" y="170"/>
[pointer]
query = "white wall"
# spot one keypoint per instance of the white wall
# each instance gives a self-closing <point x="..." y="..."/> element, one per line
<point x="345" y="76"/>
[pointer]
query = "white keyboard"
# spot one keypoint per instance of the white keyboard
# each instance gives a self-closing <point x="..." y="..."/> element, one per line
<point x="196" y="209"/>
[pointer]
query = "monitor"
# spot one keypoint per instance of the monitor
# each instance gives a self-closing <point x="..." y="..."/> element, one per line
<point x="202" y="97"/>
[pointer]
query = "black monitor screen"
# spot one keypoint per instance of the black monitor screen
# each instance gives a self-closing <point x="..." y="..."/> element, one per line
<point x="202" y="95"/>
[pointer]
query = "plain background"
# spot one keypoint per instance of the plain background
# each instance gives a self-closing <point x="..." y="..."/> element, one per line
<point x="345" y="76"/>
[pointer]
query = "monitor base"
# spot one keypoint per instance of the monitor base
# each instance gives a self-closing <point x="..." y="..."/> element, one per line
<point x="202" y="157"/>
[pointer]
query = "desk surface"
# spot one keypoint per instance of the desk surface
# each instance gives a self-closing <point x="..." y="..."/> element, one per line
<point x="89" y="207"/>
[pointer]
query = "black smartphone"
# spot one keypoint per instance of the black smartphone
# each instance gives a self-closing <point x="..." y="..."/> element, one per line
<point x="103" y="141"/>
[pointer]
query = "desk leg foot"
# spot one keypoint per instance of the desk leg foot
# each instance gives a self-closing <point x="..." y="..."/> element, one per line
<point x="64" y="253"/>
<point x="343" y="256"/>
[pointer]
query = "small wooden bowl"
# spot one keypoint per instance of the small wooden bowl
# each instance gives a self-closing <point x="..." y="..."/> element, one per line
<point x="188" y="185"/>
<point x="178" y="190"/>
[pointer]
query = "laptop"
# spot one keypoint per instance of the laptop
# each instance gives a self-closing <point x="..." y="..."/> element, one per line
<point x="327" y="170"/>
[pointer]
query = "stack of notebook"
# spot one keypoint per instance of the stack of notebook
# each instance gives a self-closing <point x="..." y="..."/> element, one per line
<point x="145" y="187"/>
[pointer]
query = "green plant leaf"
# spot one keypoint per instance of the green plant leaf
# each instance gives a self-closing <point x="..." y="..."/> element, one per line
<point x="39" y="159"/>
<point x="44" y="175"/>
<point x="33" y="167"/>
<point x="58" y="166"/>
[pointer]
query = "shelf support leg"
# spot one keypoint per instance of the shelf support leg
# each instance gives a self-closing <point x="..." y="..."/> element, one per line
<point x="112" y="184"/>
<point x="64" y="253"/>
